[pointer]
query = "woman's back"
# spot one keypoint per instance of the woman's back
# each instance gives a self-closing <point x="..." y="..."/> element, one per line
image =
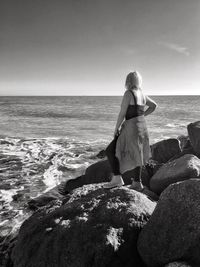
<point x="137" y="97"/>
<point x="137" y="104"/>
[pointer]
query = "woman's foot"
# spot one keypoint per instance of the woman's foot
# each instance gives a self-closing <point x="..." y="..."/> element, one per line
<point x="138" y="186"/>
<point x="115" y="182"/>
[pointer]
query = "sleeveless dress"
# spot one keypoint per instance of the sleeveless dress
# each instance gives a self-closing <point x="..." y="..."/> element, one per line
<point x="132" y="148"/>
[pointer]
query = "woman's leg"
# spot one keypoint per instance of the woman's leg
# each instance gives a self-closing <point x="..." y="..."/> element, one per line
<point x="138" y="174"/>
<point x="137" y="181"/>
<point x="114" y="164"/>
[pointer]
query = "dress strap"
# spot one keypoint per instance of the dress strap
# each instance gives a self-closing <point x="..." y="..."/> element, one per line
<point x="134" y="97"/>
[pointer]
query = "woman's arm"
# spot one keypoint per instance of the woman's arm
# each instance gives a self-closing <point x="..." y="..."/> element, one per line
<point x="151" y="106"/>
<point x="122" y="113"/>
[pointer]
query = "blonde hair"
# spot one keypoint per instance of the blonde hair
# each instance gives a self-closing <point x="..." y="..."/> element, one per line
<point x="133" y="80"/>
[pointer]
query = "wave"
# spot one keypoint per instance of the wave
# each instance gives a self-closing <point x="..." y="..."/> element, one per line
<point x="29" y="167"/>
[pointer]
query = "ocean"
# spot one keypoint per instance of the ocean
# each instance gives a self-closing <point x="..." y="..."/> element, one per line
<point x="47" y="140"/>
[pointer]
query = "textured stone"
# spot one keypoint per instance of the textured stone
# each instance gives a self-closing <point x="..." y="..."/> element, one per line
<point x="194" y="135"/>
<point x="44" y="199"/>
<point x="95" y="227"/>
<point x="188" y="166"/>
<point x="164" y="150"/>
<point x="96" y="173"/>
<point x="173" y="231"/>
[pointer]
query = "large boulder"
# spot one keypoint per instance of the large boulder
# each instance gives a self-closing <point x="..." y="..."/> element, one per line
<point x="95" y="227"/>
<point x="163" y="150"/>
<point x="6" y="245"/>
<point x="194" y="135"/>
<point x="96" y="173"/>
<point x="188" y="166"/>
<point x="173" y="232"/>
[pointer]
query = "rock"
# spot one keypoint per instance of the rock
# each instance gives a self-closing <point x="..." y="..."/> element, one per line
<point x="184" y="141"/>
<point x="194" y="135"/>
<point x="173" y="231"/>
<point x="95" y="227"/>
<point x="6" y="245"/>
<point x="186" y="147"/>
<point x="178" y="264"/>
<point x="186" y="150"/>
<point x="147" y="172"/>
<point x="44" y="199"/>
<point x="101" y="154"/>
<point x="96" y="173"/>
<point x="164" y="150"/>
<point x="101" y="172"/>
<point x="180" y="169"/>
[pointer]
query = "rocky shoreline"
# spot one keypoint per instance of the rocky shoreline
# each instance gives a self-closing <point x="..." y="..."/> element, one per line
<point x="80" y="223"/>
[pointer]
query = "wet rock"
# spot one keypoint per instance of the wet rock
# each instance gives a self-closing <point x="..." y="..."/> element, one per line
<point x="101" y="154"/>
<point x="96" y="173"/>
<point x="6" y="245"/>
<point x="194" y="135"/>
<point x="44" y="199"/>
<point x="164" y="150"/>
<point x="184" y="141"/>
<point x="173" y="231"/>
<point x="96" y="227"/>
<point x="180" y="169"/>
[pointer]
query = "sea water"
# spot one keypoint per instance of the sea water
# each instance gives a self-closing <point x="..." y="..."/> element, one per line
<point x="47" y="140"/>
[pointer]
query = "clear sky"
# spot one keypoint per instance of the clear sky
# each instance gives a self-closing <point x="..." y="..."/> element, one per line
<point x="86" y="47"/>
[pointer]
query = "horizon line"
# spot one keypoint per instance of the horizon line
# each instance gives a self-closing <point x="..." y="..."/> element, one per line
<point x="103" y="95"/>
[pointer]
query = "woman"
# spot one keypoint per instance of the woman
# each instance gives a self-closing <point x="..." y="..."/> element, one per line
<point x="132" y="146"/>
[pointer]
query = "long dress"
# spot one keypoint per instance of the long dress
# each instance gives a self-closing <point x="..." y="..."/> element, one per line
<point x="132" y="148"/>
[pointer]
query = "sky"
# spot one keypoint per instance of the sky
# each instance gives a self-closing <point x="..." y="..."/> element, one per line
<point x="87" y="47"/>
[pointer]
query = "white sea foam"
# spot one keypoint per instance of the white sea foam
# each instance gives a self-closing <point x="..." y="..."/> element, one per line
<point x="171" y="125"/>
<point x="31" y="167"/>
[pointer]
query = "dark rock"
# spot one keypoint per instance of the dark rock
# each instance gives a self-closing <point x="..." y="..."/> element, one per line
<point x="173" y="232"/>
<point x="96" y="227"/>
<point x="184" y="141"/>
<point x="6" y="245"/>
<point x="180" y="169"/>
<point x="147" y="172"/>
<point x="96" y="173"/>
<point x="101" y="154"/>
<point x="44" y="199"/>
<point x="186" y="150"/>
<point x="164" y="150"/>
<point x="194" y="135"/>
